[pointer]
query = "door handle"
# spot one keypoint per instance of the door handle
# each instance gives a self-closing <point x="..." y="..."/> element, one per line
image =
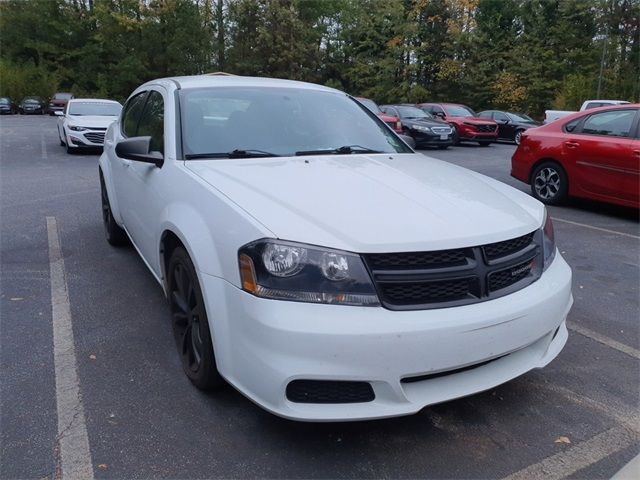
<point x="572" y="144"/>
<point x="126" y="163"/>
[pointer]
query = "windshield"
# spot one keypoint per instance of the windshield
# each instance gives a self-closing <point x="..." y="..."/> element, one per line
<point x="370" y="104"/>
<point x="412" y="112"/>
<point x="459" y="111"/>
<point x="62" y="96"/>
<point x="279" y="122"/>
<point x="32" y="100"/>
<point x="94" y="108"/>
<point x="520" y="117"/>
<point x="4" y="101"/>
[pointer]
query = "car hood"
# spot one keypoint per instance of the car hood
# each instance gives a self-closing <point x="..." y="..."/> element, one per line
<point x="96" y="121"/>
<point x="373" y="203"/>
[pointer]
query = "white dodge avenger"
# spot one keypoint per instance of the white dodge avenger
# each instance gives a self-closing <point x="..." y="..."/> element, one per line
<point x="312" y="260"/>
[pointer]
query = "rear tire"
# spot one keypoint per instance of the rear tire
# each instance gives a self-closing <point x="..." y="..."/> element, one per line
<point x="190" y="323"/>
<point x="518" y="137"/>
<point x="115" y="235"/>
<point x="549" y="183"/>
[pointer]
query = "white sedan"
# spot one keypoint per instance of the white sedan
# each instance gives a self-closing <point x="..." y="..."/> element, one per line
<point x="84" y="122"/>
<point x="315" y="262"/>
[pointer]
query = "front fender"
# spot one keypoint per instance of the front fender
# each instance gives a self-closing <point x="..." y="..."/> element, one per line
<point x="186" y="222"/>
<point x="107" y="175"/>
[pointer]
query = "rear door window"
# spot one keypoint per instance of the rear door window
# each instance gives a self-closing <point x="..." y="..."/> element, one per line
<point x="616" y="123"/>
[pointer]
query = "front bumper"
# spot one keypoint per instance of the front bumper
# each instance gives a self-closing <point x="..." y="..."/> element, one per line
<point x="85" y="138"/>
<point x="430" y="139"/>
<point x="466" y="132"/>
<point x="262" y="345"/>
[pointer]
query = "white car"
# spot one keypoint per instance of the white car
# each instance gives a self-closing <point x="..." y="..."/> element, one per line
<point x="84" y="122"/>
<point x="315" y="262"/>
<point x="553" y="115"/>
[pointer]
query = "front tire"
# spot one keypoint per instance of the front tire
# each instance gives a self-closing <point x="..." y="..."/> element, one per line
<point x="115" y="235"/>
<point x="549" y="183"/>
<point x="190" y="323"/>
<point x="484" y="143"/>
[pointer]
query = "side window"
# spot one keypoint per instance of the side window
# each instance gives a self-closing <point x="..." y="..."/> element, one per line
<point x="435" y="110"/>
<point x="571" y="126"/>
<point x="131" y="115"/>
<point x="616" y="123"/>
<point x="152" y="121"/>
<point x="393" y="112"/>
<point x="485" y="114"/>
<point x="500" y="116"/>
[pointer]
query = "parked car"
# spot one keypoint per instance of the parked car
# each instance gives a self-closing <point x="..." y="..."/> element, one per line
<point x="593" y="154"/>
<point x="7" y="107"/>
<point x="422" y="127"/>
<point x="84" y="122"/>
<point x="553" y="115"/>
<point x="58" y="102"/>
<point x="466" y="124"/>
<point x="510" y="124"/>
<point x="32" y="105"/>
<point x="403" y="280"/>
<point x="392" y="121"/>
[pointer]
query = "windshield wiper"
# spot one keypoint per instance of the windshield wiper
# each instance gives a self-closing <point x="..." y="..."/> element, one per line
<point x="237" y="153"/>
<point x="344" y="150"/>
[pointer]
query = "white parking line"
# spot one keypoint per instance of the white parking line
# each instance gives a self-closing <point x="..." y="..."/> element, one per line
<point x="623" y="234"/>
<point x="577" y="457"/>
<point x="73" y="440"/>
<point x="43" y="146"/>
<point x="609" y="342"/>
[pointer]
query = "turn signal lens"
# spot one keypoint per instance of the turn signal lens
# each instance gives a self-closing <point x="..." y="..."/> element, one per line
<point x="247" y="274"/>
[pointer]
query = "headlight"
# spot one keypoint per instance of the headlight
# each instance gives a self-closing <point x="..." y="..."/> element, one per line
<point x="77" y="129"/>
<point x="292" y="271"/>
<point x="548" y="241"/>
<point x="421" y="128"/>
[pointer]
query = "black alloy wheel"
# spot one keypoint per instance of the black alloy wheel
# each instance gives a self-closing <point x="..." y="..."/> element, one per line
<point x="115" y="235"/>
<point x="190" y="323"/>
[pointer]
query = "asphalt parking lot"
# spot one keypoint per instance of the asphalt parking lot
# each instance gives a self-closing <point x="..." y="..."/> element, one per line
<point x="577" y="418"/>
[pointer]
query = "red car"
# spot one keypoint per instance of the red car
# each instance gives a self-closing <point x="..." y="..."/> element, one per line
<point x="592" y="154"/>
<point x="393" y="122"/>
<point x="466" y="124"/>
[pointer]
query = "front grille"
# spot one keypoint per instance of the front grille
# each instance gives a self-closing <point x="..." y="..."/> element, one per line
<point x="507" y="277"/>
<point x="446" y="278"/>
<point x="486" y="128"/>
<point x="441" y="130"/>
<point x="500" y="249"/>
<point x="329" y="391"/>
<point x="95" y="137"/>
<point x="418" y="259"/>
<point x="429" y="292"/>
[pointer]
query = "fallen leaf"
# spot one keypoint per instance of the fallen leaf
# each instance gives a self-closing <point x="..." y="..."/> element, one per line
<point x="92" y="357"/>
<point x="102" y="466"/>
<point x="562" y="440"/>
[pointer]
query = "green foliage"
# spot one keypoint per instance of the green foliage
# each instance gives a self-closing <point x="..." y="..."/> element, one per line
<point x="526" y="55"/>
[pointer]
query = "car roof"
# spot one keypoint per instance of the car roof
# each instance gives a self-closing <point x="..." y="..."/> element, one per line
<point x="226" y="80"/>
<point x="92" y="100"/>
<point x="444" y="103"/>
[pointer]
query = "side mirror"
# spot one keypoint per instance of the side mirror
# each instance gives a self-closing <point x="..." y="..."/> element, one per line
<point x="138" y="149"/>
<point x="440" y="115"/>
<point x="58" y="113"/>
<point x="408" y="140"/>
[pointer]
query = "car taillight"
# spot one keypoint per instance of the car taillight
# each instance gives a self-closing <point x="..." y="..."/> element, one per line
<point x="398" y="126"/>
